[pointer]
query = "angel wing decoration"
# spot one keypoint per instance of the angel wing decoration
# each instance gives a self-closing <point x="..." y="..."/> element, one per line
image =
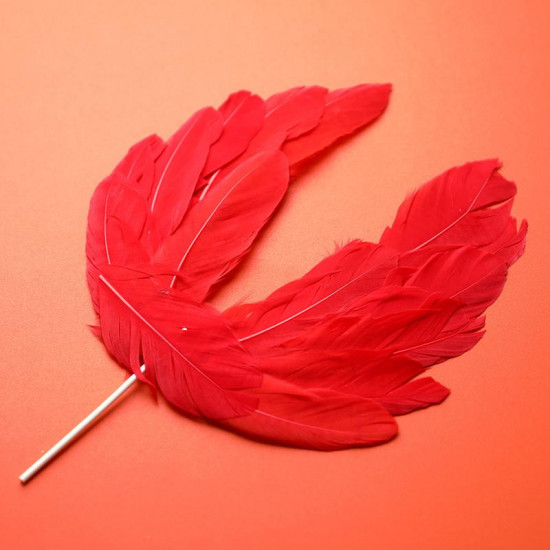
<point x="328" y="360"/>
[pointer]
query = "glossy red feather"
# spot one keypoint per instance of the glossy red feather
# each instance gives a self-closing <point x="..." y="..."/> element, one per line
<point x="326" y="361"/>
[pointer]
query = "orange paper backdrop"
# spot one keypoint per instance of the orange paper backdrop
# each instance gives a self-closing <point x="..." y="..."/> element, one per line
<point x="81" y="82"/>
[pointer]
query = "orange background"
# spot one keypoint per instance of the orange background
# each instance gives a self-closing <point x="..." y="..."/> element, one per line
<point x="80" y="83"/>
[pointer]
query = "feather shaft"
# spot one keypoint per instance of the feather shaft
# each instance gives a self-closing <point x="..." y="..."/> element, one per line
<point x="67" y="439"/>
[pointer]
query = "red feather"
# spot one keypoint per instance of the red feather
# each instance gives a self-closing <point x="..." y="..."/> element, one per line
<point x="219" y="230"/>
<point x="178" y="168"/>
<point x="318" y="418"/>
<point x="243" y="116"/>
<point x="345" y="111"/>
<point x="417" y="297"/>
<point x="326" y="361"/>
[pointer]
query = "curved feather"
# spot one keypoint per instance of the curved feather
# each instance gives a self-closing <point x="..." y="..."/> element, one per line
<point x="346" y="111"/>
<point x="466" y="205"/>
<point x="319" y="419"/>
<point x="178" y="169"/>
<point x="219" y="230"/>
<point x="445" y="254"/>
<point x="424" y="306"/>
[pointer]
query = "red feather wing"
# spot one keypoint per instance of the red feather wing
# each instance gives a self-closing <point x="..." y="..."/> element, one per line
<point x="420" y="301"/>
<point x="325" y="361"/>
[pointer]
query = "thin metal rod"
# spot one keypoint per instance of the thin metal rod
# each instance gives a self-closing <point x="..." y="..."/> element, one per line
<point x="63" y="442"/>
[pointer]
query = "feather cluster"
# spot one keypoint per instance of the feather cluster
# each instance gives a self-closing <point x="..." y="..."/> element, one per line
<point x="328" y="360"/>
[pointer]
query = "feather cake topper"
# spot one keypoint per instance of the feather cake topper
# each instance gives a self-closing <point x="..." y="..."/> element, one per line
<point x="328" y="360"/>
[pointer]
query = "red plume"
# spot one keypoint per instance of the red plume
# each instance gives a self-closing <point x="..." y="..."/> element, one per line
<point x="328" y="360"/>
